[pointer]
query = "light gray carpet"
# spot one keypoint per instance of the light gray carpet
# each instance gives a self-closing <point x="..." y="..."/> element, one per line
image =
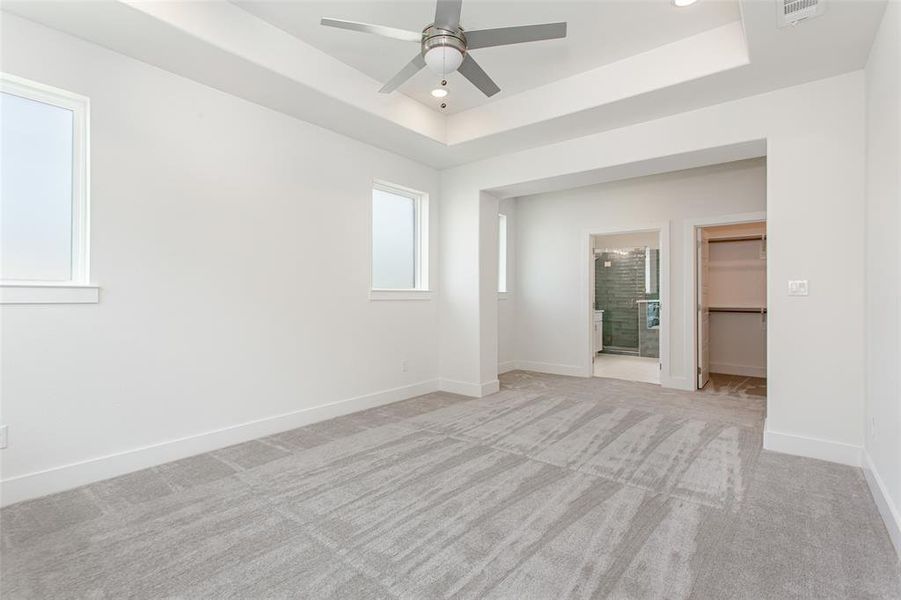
<point x="555" y="487"/>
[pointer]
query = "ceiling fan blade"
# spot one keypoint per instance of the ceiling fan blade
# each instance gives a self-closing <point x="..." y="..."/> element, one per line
<point x="389" y="32"/>
<point x="447" y="14"/>
<point x="404" y="74"/>
<point x="502" y="36"/>
<point x="471" y="70"/>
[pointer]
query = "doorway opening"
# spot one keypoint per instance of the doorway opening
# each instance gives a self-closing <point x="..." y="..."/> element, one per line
<point x="626" y="296"/>
<point x="731" y="336"/>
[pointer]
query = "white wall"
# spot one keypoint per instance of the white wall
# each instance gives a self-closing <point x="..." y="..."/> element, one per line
<point x="550" y="319"/>
<point x="737" y="344"/>
<point x="626" y="240"/>
<point x="816" y="176"/>
<point x="883" y="398"/>
<point x="231" y="243"/>
<point x="737" y="274"/>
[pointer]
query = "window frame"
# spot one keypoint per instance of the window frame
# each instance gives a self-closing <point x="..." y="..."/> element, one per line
<point x="503" y="265"/>
<point x="421" y="289"/>
<point x="78" y="288"/>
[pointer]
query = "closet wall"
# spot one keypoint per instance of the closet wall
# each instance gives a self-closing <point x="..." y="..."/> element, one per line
<point x="737" y="281"/>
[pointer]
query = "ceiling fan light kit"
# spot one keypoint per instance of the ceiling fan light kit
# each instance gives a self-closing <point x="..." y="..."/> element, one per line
<point x="445" y="47"/>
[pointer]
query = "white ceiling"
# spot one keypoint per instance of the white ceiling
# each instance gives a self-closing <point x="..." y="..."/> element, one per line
<point x="598" y="33"/>
<point x="601" y="86"/>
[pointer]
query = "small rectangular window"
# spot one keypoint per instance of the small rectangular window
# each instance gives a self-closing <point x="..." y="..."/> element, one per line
<point x="502" y="253"/>
<point x="399" y="239"/>
<point x="43" y="184"/>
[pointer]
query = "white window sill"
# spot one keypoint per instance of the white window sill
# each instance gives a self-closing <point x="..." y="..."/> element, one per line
<point x="400" y="294"/>
<point x="503" y="295"/>
<point x="48" y="293"/>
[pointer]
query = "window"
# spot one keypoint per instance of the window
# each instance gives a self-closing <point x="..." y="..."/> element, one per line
<point x="43" y="191"/>
<point x="502" y="253"/>
<point x="399" y="241"/>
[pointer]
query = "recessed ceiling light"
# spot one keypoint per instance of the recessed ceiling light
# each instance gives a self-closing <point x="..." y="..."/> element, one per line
<point x="684" y="2"/>
<point x="439" y="92"/>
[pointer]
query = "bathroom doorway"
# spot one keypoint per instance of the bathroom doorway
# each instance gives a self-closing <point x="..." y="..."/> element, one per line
<point x="626" y="301"/>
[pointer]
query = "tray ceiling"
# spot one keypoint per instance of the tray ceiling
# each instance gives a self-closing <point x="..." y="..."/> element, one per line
<point x="598" y="33"/>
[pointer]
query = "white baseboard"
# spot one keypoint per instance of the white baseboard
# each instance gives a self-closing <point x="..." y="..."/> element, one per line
<point x="677" y="383"/>
<point x="889" y="512"/>
<point x="553" y="369"/>
<point x="490" y="387"/>
<point x="741" y="370"/>
<point x="465" y="388"/>
<point x="799" y="445"/>
<point x="58" y="479"/>
<point x="506" y="367"/>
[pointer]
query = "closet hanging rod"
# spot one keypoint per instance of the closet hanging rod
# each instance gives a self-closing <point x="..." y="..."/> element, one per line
<point x="741" y="238"/>
<point x="735" y="309"/>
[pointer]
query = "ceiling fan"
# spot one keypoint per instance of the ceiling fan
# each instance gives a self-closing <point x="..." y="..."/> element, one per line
<point x="445" y="47"/>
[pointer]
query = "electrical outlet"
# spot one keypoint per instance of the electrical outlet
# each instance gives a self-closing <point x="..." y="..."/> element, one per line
<point x="4" y="435"/>
<point x="403" y="366"/>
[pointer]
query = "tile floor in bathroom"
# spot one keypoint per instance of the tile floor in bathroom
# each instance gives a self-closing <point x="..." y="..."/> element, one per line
<point x="628" y="368"/>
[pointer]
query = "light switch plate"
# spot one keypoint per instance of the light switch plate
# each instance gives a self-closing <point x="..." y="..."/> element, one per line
<point x="4" y="432"/>
<point x="797" y="287"/>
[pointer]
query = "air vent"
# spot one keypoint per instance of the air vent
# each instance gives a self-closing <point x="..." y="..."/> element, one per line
<point x="792" y="12"/>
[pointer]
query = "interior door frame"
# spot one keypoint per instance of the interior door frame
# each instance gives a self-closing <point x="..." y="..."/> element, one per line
<point x="663" y="232"/>
<point x="702" y="311"/>
<point x="691" y="286"/>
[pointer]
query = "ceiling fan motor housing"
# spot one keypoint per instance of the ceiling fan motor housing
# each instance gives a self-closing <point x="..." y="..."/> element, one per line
<point x="443" y="48"/>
